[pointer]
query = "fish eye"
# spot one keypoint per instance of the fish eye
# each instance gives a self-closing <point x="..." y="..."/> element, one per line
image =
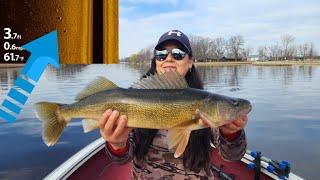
<point x="235" y="102"/>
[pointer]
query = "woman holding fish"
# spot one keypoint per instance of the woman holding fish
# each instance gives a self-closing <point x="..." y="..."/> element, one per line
<point x="184" y="151"/>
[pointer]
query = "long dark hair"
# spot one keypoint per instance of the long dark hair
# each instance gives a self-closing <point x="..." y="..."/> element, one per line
<point x="197" y="155"/>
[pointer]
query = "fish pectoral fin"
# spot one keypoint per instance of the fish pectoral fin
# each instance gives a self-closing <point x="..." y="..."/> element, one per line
<point x="174" y="136"/>
<point x="98" y="85"/>
<point x="178" y="138"/>
<point x="183" y="143"/>
<point x="207" y="120"/>
<point x="89" y="125"/>
<point x="197" y="115"/>
<point x="184" y="124"/>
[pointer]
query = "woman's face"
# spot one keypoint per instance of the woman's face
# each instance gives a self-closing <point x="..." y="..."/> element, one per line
<point x="171" y="64"/>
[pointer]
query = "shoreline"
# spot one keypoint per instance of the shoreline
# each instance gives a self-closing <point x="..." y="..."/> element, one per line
<point x="11" y="65"/>
<point x="226" y="63"/>
<point x="262" y="63"/>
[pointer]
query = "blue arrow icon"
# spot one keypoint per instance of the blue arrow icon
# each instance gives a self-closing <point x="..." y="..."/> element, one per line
<point x="44" y="51"/>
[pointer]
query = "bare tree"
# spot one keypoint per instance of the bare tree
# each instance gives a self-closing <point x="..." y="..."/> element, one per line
<point x="133" y="59"/>
<point x="275" y="52"/>
<point x="246" y="52"/>
<point x="303" y="50"/>
<point x="311" y="52"/>
<point x="202" y="48"/>
<point x="194" y="41"/>
<point x="211" y="52"/>
<point x="287" y="47"/>
<point x="220" y="47"/>
<point x="205" y="45"/>
<point x="292" y="51"/>
<point x="235" y="44"/>
<point x="145" y="54"/>
<point x="263" y="52"/>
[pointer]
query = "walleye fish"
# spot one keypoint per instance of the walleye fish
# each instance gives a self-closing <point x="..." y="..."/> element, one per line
<point x="158" y="102"/>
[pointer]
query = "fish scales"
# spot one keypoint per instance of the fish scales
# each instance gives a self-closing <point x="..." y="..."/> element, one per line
<point x="144" y="108"/>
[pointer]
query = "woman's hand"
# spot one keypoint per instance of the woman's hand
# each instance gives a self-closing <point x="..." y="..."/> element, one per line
<point x="113" y="128"/>
<point x="230" y="128"/>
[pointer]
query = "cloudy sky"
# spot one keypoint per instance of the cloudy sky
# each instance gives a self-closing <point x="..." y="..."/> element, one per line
<point x="142" y="22"/>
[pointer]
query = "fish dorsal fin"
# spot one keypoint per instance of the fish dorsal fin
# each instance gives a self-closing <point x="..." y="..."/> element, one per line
<point x="97" y="85"/>
<point x="168" y="80"/>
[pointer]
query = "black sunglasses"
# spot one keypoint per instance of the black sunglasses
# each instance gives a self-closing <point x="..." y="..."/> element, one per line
<point x="176" y="53"/>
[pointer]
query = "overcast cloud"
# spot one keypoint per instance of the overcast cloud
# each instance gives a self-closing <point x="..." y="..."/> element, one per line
<point x="262" y="22"/>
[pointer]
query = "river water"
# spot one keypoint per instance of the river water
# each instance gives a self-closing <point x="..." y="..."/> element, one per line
<point x="284" y="123"/>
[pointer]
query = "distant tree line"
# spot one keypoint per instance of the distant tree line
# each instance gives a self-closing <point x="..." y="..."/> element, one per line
<point x="207" y="49"/>
<point x="234" y="49"/>
<point x="287" y="50"/>
<point x="143" y="56"/>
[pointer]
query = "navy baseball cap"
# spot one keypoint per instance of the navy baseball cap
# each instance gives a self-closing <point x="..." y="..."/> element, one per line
<point x="177" y="36"/>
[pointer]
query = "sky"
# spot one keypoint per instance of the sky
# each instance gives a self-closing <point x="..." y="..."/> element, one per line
<point x="261" y="23"/>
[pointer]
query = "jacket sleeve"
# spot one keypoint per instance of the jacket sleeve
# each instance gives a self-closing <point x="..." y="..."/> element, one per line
<point x="230" y="150"/>
<point x="127" y="156"/>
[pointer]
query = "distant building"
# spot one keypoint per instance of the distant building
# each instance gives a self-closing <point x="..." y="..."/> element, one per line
<point x="253" y="58"/>
<point x="229" y="59"/>
<point x="256" y="58"/>
<point x="298" y="58"/>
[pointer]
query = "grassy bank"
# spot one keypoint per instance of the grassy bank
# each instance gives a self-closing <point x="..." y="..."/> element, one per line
<point x="286" y="63"/>
<point x="221" y="63"/>
<point x="260" y="63"/>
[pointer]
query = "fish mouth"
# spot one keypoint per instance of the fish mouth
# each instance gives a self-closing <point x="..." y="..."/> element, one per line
<point x="243" y="112"/>
<point x="246" y="110"/>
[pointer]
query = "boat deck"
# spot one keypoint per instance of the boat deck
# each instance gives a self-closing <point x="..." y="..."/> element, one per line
<point x="92" y="163"/>
<point x="100" y="167"/>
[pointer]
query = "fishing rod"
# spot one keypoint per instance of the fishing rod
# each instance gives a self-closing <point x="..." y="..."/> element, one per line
<point x="257" y="162"/>
<point x="220" y="174"/>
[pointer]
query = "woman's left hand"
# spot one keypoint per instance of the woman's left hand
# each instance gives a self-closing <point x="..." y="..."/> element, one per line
<point x="234" y="126"/>
<point x="230" y="128"/>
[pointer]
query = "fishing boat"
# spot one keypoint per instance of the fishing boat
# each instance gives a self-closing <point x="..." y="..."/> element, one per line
<point x="92" y="163"/>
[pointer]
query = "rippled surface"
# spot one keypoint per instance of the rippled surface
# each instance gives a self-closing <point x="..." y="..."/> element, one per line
<point x="284" y="123"/>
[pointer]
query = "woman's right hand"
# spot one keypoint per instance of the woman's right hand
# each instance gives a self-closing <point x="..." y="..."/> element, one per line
<point x="113" y="128"/>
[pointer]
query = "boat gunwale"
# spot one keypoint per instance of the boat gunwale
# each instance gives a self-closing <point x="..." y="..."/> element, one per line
<point x="64" y="170"/>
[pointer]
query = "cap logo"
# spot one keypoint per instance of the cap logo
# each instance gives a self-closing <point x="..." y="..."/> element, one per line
<point x="178" y="33"/>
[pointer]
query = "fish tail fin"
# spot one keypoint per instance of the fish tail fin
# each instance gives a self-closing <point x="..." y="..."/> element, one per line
<point x="53" y="123"/>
